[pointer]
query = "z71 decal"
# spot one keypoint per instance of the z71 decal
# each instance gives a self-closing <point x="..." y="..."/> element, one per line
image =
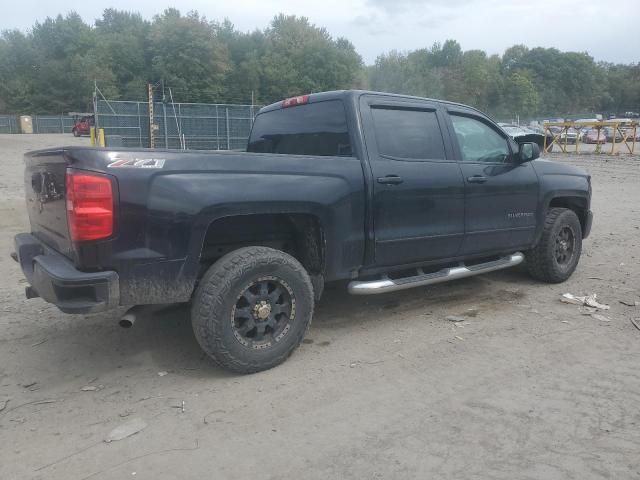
<point x="137" y="163"/>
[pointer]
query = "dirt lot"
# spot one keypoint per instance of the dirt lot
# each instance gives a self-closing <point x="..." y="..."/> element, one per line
<point x="383" y="387"/>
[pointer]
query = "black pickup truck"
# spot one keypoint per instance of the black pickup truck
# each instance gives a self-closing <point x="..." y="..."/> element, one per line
<point x="386" y="191"/>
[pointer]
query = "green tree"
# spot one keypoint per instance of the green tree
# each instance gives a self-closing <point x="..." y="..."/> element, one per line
<point x="63" y="68"/>
<point x="52" y="67"/>
<point x="122" y="47"/>
<point x="521" y="96"/>
<point x="302" y="58"/>
<point x="186" y="53"/>
<point x="18" y="63"/>
<point x="246" y="50"/>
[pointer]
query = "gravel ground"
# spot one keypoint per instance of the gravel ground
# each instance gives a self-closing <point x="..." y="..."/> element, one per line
<point x="383" y="387"/>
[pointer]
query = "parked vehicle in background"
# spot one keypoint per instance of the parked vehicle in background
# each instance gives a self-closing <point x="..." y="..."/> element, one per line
<point x="633" y="134"/>
<point x="525" y="134"/>
<point x="594" y="136"/>
<point x="611" y="133"/>
<point x="385" y="191"/>
<point x="82" y="124"/>
<point x="569" y="136"/>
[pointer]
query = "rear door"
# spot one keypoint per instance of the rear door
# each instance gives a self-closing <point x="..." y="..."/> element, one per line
<point x="501" y="196"/>
<point x="418" y="192"/>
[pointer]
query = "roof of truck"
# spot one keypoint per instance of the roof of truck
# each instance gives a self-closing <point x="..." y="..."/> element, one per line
<point x="342" y="94"/>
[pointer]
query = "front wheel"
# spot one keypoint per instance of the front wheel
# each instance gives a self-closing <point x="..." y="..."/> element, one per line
<point x="75" y="132"/>
<point x="252" y="309"/>
<point x="557" y="253"/>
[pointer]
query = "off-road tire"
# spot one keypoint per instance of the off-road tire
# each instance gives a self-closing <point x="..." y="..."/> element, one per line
<point x="75" y="132"/>
<point x="216" y="296"/>
<point x="541" y="260"/>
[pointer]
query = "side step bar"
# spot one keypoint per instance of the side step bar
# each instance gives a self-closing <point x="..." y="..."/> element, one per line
<point x="388" y="285"/>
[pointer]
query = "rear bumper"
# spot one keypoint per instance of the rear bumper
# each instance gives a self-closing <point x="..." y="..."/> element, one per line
<point x="588" y="221"/>
<point x="55" y="279"/>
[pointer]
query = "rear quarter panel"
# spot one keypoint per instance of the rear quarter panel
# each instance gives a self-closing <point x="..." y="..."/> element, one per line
<point x="164" y="212"/>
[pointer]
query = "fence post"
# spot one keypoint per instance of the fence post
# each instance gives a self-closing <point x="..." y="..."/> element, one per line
<point x="217" y="128"/>
<point x="62" y="124"/>
<point x="164" y="120"/>
<point x="179" y="126"/>
<point x="139" y="126"/>
<point x="228" y="137"/>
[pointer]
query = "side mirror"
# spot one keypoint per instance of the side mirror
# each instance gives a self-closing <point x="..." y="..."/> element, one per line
<point x="528" y="151"/>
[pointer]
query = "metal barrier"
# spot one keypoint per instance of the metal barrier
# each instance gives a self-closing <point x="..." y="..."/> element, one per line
<point x="9" y="124"/>
<point x="624" y="132"/>
<point x="52" y="124"/>
<point x="193" y="126"/>
<point x="41" y="123"/>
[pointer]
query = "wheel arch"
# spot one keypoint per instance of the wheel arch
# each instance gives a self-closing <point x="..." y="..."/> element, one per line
<point x="578" y="204"/>
<point x="302" y="235"/>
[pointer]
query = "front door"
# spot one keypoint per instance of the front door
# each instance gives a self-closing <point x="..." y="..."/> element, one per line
<point x="418" y="191"/>
<point x="501" y="195"/>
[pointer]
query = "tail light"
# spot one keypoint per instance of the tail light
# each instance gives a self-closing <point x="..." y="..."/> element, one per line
<point x="89" y="206"/>
<point x="293" y="101"/>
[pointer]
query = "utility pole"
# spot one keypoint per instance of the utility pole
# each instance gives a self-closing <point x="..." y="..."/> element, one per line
<point x="152" y="125"/>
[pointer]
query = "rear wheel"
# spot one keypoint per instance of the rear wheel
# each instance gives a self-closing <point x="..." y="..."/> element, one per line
<point x="252" y="309"/>
<point x="556" y="255"/>
<point x="75" y="132"/>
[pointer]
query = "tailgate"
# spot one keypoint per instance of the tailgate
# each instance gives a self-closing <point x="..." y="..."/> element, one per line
<point x="44" y="186"/>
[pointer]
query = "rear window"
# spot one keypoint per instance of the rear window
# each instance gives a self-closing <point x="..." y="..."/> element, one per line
<point x="311" y="129"/>
<point x="407" y="133"/>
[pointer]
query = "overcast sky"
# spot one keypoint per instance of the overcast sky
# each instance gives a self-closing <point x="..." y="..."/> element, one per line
<point x="607" y="31"/>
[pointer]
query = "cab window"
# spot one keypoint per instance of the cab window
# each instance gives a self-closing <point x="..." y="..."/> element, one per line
<point x="479" y="143"/>
<point x="407" y="134"/>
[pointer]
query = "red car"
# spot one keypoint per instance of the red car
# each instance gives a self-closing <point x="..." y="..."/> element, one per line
<point x="82" y="125"/>
<point x="594" y="136"/>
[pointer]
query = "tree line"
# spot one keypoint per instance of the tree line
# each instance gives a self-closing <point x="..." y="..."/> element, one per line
<point x="523" y="81"/>
<point x="52" y="67"/>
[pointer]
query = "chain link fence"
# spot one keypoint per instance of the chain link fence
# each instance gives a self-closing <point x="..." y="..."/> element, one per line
<point x="200" y="126"/>
<point x="41" y="123"/>
<point x="52" y="124"/>
<point x="9" y="124"/>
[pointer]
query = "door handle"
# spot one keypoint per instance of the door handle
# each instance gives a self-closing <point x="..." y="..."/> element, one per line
<point x="390" y="180"/>
<point x="477" y="179"/>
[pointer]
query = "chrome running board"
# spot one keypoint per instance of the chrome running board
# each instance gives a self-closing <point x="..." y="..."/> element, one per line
<point x="387" y="284"/>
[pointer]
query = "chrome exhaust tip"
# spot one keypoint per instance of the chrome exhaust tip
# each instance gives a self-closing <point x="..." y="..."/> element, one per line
<point x="127" y="320"/>
<point x="130" y="316"/>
